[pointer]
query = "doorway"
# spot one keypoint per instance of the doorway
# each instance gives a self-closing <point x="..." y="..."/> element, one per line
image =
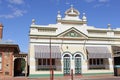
<point x="66" y="60"/>
<point x="77" y="64"/>
<point x="19" y="67"/>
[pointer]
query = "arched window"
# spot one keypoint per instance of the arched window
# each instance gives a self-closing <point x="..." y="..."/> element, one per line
<point x="66" y="55"/>
<point x="78" y="55"/>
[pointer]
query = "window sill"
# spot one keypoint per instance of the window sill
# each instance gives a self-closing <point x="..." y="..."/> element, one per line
<point x="98" y="69"/>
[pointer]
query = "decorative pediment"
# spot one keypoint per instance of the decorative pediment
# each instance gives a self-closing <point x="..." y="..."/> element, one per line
<point x="72" y="32"/>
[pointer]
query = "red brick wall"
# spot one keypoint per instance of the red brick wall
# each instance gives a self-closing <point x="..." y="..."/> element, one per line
<point x="7" y="62"/>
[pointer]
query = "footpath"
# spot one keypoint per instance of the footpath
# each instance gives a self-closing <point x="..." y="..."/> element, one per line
<point x="64" y="78"/>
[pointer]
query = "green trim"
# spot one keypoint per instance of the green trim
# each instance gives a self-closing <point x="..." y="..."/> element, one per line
<point x="43" y="75"/>
<point x="89" y="74"/>
<point x="60" y="75"/>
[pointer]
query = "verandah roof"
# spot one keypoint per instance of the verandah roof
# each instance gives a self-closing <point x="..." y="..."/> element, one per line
<point x="98" y="52"/>
<point x="42" y="51"/>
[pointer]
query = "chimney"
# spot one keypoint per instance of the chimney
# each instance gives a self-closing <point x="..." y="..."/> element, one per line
<point x="1" y="30"/>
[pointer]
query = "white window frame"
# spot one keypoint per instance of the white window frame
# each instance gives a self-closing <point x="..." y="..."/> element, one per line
<point x="97" y="60"/>
<point x="46" y="64"/>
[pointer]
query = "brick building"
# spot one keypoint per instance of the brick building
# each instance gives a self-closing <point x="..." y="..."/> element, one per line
<point x="9" y="57"/>
<point x="7" y="52"/>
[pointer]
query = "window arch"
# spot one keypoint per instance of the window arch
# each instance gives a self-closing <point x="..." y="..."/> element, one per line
<point x="67" y="54"/>
<point x="77" y="55"/>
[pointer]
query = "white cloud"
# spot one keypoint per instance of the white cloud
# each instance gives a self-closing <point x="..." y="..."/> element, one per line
<point x="103" y="1"/>
<point x="16" y="1"/>
<point x="100" y="1"/>
<point x="67" y="3"/>
<point x="15" y="12"/>
<point x="18" y="12"/>
<point x="98" y="5"/>
<point x="6" y="16"/>
<point x="89" y="1"/>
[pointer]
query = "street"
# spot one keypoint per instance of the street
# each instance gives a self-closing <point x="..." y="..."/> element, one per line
<point x="63" y="78"/>
<point x="102" y="79"/>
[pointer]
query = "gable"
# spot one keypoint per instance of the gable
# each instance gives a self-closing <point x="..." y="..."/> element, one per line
<point x="72" y="32"/>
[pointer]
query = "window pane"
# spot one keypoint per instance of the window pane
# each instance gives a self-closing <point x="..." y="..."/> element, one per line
<point x="48" y="61"/>
<point x="39" y="61"/>
<point x="94" y="61"/>
<point x="90" y="61"/>
<point x="53" y="61"/>
<point x="98" y="61"/>
<point x="44" y="61"/>
<point x="101" y="61"/>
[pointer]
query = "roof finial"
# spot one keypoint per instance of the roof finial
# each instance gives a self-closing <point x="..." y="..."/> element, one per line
<point x="109" y="26"/>
<point x="84" y="18"/>
<point x="83" y="14"/>
<point x="33" y="21"/>
<point x="58" y="12"/>
<point x="71" y="6"/>
<point x="58" y="16"/>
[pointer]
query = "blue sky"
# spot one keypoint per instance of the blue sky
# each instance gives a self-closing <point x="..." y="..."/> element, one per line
<point x="16" y="15"/>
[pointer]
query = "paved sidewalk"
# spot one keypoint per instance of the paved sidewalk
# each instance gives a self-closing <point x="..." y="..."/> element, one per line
<point x="64" y="78"/>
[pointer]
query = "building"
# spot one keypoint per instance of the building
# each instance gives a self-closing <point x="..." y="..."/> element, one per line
<point x="10" y="58"/>
<point x="7" y="52"/>
<point x="73" y="45"/>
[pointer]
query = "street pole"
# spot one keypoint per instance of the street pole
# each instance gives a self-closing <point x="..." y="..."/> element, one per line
<point x="71" y="74"/>
<point x="51" y="70"/>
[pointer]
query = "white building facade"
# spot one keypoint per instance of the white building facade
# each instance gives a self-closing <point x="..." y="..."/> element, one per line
<point x="73" y="45"/>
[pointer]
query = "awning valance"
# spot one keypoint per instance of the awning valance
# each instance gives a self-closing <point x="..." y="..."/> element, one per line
<point x="98" y="52"/>
<point x="44" y="51"/>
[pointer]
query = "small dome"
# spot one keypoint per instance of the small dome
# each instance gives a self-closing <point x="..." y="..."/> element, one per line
<point x="72" y="12"/>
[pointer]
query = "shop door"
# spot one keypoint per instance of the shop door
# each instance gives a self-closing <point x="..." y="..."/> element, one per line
<point x="67" y="66"/>
<point x="77" y="65"/>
